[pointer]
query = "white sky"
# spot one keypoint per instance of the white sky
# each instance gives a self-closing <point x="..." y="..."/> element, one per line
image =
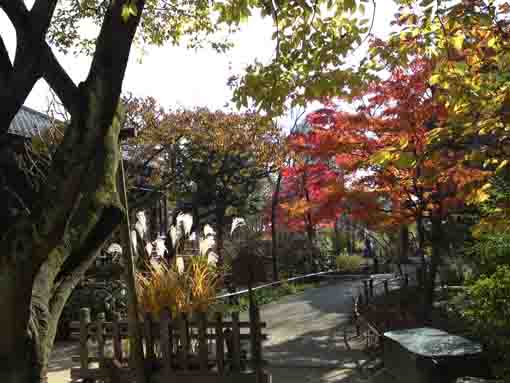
<point x="176" y="76"/>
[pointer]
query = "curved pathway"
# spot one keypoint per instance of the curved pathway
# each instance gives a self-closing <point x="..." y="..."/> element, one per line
<point x="306" y="335"/>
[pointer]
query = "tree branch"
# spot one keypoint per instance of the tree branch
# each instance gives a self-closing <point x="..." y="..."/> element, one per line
<point x="40" y="17"/>
<point x="58" y="79"/>
<point x="5" y="64"/>
<point x="76" y="264"/>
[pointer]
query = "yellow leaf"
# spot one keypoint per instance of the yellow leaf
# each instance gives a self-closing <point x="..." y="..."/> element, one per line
<point x="457" y="41"/>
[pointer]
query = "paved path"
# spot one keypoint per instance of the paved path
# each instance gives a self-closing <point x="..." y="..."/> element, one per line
<point x="306" y="338"/>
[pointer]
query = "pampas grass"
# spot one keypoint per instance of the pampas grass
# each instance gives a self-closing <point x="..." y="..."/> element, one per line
<point x="193" y="290"/>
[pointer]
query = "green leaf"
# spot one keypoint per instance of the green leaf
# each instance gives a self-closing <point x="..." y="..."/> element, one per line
<point x="405" y="160"/>
<point x="434" y="79"/>
<point x="128" y="10"/>
<point x="382" y="157"/>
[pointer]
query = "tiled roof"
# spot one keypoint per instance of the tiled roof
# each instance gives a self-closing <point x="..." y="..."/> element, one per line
<point x="28" y="122"/>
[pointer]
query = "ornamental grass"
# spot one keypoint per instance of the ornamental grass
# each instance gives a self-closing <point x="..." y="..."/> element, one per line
<point x="193" y="290"/>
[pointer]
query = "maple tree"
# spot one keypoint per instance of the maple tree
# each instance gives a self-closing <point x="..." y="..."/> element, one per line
<point x="378" y="165"/>
<point x="467" y="44"/>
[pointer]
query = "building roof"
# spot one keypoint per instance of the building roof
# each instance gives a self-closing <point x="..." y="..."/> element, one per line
<point x="28" y="122"/>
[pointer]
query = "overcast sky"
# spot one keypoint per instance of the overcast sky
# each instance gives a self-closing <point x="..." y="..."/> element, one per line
<point x="177" y="76"/>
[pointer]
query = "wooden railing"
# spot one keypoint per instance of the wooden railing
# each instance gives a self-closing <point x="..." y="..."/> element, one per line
<point x="208" y="349"/>
<point x="369" y="290"/>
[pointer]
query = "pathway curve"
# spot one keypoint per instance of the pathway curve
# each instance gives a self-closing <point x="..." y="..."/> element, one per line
<point x="306" y="335"/>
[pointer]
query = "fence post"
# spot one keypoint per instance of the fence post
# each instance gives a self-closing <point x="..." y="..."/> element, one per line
<point x="149" y="338"/>
<point x="256" y="348"/>
<point x="84" y="334"/>
<point x="406" y="280"/>
<point x="371" y="286"/>
<point x="116" y="338"/>
<point x="166" y="342"/>
<point x="100" y="338"/>
<point x="202" y="342"/>
<point x="184" y="341"/>
<point x="236" y="344"/>
<point x="220" y="351"/>
<point x="386" y="287"/>
<point x="367" y="295"/>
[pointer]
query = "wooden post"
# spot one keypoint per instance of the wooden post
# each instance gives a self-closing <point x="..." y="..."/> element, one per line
<point x="406" y="280"/>
<point x="367" y="294"/>
<point x="100" y="339"/>
<point x="134" y="328"/>
<point x="371" y="287"/>
<point x="149" y="338"/>
<point x="116" y="338"/>
<point x="256" y="347"/>
<point x="202" y="342"/>
<point x="84" y="334"/>
<point x="386" y="287"/>
<point x="165" y="342"/>
<point x="184" y="341"/>
<point x="236" y="343"/>
<point x="220" y="351"/>
<point x="360" y="299"/>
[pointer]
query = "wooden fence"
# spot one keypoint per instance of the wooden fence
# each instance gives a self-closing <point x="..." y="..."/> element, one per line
<point x="205" y="350"/>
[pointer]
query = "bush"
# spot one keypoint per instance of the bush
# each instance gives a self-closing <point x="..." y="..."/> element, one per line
<point x="488" y="309"/>
<point x="190" y="291"/>
<point x="349" y="263"/>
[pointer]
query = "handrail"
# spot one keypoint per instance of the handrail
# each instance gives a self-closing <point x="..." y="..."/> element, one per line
<point x="240" y="292"/>
<point x="358" y="316"/>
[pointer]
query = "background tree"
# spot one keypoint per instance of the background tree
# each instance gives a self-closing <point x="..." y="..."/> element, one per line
<point x="215" y="161"/>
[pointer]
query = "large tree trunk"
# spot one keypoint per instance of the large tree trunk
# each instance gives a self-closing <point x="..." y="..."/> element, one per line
<point x="45" y="253"/>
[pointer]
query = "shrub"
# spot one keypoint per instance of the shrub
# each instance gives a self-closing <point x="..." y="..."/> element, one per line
<point x="349" y="263"/>
<point x="488" y="308"/>
<point x="190" y="291"/>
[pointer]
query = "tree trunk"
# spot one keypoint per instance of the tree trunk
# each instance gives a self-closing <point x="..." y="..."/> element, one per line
<point x="274" y="234"/>
<point x="404" y="243"/>
<point x="336" y="242"/>
<point x="77" y="207"/>
<point x="310" y="234"/>
<point x="421" y="244"/>
<point x="220" y="233"/>
<point x="135" y="335"/>
<point x="437" y="248"/>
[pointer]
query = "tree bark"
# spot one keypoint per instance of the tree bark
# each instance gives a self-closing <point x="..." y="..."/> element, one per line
<point x="135" y="335"/>
<point x="78" y="207"/>
<point x="404" y="243"/>
<point x="220" y="232"/>
<point x="437" y="248"/>
<point x="274" y="234"/>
